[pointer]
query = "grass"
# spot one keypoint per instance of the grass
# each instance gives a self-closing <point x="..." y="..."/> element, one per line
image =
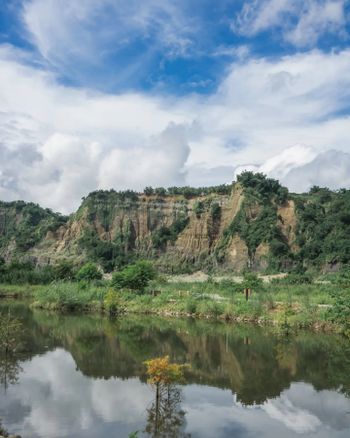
<point x="304" y="305"/>
<point x="70" y="296"/>
<point x="19" y="291"/>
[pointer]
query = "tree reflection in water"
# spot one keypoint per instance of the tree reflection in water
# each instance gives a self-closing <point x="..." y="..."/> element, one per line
<point x="10" y="331"/>
<point x="165" y="417"/>
<point x="9" y="371"/>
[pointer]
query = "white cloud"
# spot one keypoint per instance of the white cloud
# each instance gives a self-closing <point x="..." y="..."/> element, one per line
<point x="302" y="22"/>
<point x="57" y="143"/>
<point x="301" y="167"/>
<point x="69" y="31"/>
<point x="55" y="399"/>
<point x="294" y="418"/>
<point x="329" y="169"/>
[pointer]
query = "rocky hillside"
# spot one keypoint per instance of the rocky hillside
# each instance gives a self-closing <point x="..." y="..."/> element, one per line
<point x="254" y="224"/>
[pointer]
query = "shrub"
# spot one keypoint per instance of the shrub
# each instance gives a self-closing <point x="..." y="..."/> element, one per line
<point x="135" y="277"/>
<point x="340" y="311"/>
<point x="111" y="301"/>
<point x="198" y="208"/>
<point x="215" y="211"/>
<point x="89" y="272"/>
<point x="252" y="281"/>
<point x="64" y="270"/>
<point x="169" y="234"/>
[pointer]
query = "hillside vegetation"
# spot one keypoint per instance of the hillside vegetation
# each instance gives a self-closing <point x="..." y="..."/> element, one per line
<point x="254" y="224"/>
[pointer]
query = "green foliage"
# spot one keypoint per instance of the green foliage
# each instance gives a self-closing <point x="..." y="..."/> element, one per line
<point x="215" y="211"/>
<point x="112" y="301"/>
<point x="198" y="208"/>
<point x="10" y="330"/>
<point x="324" y="227"/>
<point x="257" y="220"/>
<point x="160" y="191"/>
<point x="256" y="229"/>
<point x="265" y="188"/>
<point x="191" y="306"/>
<point x="165" y="234"/>
<point x="322" y="235"/>
<point x="189" y="192"/>
<point x="69" y="296"/>
<point x="110" y="254"/>
<point x="135" y="277"/>
<point x="89" y="272"/>
<point x="340" y="311"/>
<point x="26" y="223"/>
<point x="18" y="272"/>
<point x="64" y="270"/>
<point x="253" y="282"/>
<point x="110" y="196"/>
<point x="148" y="191"/>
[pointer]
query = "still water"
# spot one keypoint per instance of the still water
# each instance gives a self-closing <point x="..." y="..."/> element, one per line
<point x="83" y="376"/>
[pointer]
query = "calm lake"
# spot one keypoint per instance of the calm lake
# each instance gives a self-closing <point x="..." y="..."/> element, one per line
<point x="83" y="376"/>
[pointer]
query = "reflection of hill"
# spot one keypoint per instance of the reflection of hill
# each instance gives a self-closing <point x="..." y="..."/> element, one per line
<point x="252" y="363"/>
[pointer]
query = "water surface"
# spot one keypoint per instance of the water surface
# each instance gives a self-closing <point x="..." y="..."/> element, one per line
<point x="83" y="376"/>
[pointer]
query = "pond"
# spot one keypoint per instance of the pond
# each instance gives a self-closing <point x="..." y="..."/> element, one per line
<point x="83" y="376"/>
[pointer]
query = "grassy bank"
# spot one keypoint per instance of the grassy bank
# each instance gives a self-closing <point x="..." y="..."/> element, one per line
<point x="280" y="304"/>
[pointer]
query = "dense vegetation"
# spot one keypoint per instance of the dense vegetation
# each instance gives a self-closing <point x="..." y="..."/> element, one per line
<point x="257" y="220"/>
<point x="26" y="224"/>
<point x="289" y="303"/>
<point x="322" y="235"/>
<point x="324" y="227"/>
<point x="188" y="192"/>
<point x="18" y="272"/>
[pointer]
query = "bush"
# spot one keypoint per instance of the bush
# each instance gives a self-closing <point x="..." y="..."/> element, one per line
<point x="111" y="301"/>
<point x="169" y="234"/>
<point x="339" y="313"/>
<point x="198" y="208"/>
<point x="64" y="270"/>
<point x="135" y="277"/>
<point x="252" y="281"/>
<point x="89" y="272"/>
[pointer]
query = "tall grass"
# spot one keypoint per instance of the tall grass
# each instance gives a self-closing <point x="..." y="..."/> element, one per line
<point x="70" y="296"/>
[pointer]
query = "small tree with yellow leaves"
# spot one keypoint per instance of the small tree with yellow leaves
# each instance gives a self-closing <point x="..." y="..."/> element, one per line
<point x="165" y="417"/>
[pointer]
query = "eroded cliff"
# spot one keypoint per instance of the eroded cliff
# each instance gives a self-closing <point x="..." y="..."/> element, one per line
<point x="254" y="224"/>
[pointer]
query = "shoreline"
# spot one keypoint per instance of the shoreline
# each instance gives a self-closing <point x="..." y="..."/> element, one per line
<point x="317" y="326"/>
<point x="266" y="309"/>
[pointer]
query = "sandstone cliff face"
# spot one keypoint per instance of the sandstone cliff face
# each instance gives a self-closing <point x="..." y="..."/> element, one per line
<point x="288" y="223"/>
<point x="171" y="229"/>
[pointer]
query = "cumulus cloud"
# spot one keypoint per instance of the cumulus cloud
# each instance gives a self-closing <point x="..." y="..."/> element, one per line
<point x="51" y="389"/>
<point x="302" y="22"/>
<point x="301" y="167"/>
<point x="329" y="169"/>
<point x="53" y="398"/>
<point x="58" y="142"/>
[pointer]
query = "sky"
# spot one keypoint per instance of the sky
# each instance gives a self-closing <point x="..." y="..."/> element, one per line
<point x="123" y="94"/>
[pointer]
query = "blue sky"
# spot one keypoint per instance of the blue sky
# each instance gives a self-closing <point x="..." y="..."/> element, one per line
<point x="115" y="93"/>
<point x="177" y="47"/>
